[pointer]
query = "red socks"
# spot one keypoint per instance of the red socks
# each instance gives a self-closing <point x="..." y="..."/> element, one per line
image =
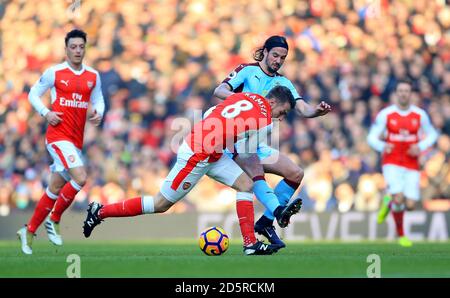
<point x="398" y="211"/>
<point x="65" y="198"/>
<point x="246" y="217"/>
<point x="131" y="207"/>
<point x="41" y="211"/>
<point x="398" y="218"/>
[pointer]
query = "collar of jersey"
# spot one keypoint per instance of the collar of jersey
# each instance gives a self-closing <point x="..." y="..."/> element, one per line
<point x="403" y="112"/>
<point x="274" y="75"/>
<point x="77" y="72"/>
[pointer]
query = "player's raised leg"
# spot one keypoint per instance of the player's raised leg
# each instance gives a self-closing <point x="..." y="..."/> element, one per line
<point x="384" y="209"/>
<point x="226" y="171"/>
<point x="97" y="212"/>
<point x="284" y="190"/>
<point x="184" y="175"/>
<point x="251" y="165"/>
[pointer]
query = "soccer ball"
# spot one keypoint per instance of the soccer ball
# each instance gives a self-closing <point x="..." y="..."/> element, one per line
<point x="213" y="241"/>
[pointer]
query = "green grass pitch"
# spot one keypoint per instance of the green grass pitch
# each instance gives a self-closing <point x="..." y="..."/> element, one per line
<point x="184" y="259"/>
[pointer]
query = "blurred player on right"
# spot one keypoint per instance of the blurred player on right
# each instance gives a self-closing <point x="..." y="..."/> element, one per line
<point x="400" y="127"/>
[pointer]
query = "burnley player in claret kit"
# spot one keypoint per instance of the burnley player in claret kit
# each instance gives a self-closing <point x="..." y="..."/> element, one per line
<point x="73" y="85"/>
<point x="238" y="124"/>
<point x="401" y="127"/>
<point x="259" y="78"/>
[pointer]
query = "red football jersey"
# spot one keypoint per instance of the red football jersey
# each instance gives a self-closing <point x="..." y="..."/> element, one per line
<point x="237" y="117"/>
<point x="71" y="92"/>
<point x="402" y="129"/>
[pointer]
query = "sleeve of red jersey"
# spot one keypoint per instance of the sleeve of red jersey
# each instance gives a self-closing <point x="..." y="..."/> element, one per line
<point x="429" y="131"/>
<point x="376" y="131"/>
<point x="98" y="102"/>
<point x="45" y="82"/>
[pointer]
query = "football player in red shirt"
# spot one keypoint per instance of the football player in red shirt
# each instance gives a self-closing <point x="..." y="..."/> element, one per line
<point x="238" y="124"/>
<point x="73" y="85"/>
<point x="401" y="132"/>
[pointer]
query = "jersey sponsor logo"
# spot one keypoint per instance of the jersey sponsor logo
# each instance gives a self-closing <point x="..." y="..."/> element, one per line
<point x="65" y="82"/>
<point x="402" y="137"/>
<point x="76" y="101"/>
<point x="77" y="96"/>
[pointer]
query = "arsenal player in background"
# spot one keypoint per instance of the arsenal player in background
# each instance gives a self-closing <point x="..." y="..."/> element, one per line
<point x="405" y="132"/>
<point x="72" y="85"/>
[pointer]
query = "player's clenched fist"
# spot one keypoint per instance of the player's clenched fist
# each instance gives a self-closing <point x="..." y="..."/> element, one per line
<point x="54" y="117"/>
<point x="95" y="119"/>
<point x="323" y="108"/>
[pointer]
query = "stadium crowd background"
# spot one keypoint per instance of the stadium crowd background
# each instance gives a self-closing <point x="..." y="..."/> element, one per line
<point x="161" y="60"/>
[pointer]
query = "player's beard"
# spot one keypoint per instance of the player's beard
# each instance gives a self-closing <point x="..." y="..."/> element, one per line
<point x="403" y="102"/>
<point x="270" y="68"/>
<point x="273" y="70"/>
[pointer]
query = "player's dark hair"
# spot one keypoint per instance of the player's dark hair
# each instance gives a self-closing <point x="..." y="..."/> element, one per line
<point x="271" y="42"/>
<point x="282" y="94"/>
<point x="404" y="81"/>
<point x="75" y="33"/>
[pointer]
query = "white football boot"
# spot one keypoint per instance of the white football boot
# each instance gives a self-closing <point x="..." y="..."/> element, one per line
<point x="53" y="232"/>
<point x="26" y="240"/>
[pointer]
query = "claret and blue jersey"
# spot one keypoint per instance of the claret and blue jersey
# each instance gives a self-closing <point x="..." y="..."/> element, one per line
<point x="251" y="78"/>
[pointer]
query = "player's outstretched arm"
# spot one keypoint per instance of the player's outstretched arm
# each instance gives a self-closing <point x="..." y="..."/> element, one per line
<point x="223" y="91"/>
<point x="309" y="111"/>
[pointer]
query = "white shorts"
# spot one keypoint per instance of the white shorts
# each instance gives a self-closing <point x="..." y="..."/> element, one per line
<point x="188" y="170"/>
<point x="65" y="156"/>
<point x="402" y="180"/>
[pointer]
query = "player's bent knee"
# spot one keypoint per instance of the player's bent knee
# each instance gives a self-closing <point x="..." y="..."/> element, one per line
<point x="410" y="205"/>
<point x="243" y="183"/>
<point x="398" y="198"/>
<point x="80" y="178"/>
<point x="295" y="174"/>
<point x="55" y="189"/>
<point x="162" y="204"/>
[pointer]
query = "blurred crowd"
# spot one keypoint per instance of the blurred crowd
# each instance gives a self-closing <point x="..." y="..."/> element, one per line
<point x="160" y="61"/>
